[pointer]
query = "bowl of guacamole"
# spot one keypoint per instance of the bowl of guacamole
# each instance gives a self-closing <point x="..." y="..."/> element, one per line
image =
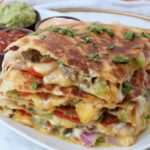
<point x="18" y="14"/>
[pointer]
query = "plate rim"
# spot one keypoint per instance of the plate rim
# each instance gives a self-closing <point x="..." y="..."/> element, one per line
<point x="43" y="145"/>
<point x="97" y="10"/>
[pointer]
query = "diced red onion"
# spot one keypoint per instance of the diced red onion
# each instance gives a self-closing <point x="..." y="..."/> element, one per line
<point x="89" y="138"/>
<point x="112" y="140"/>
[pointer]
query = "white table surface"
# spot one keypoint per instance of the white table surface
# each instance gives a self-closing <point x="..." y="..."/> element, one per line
<point x="9" y="140"/>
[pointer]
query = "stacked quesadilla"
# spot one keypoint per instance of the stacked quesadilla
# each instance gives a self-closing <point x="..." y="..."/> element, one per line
<point x="86" y="82"/>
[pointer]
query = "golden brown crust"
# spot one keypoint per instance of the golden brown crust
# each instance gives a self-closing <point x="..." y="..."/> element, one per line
<point x="74" y="53"/>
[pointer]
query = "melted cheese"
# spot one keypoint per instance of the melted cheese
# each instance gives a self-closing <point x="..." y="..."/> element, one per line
<point x="52" y="74"/>
<point x="45" y="68"/>
<point x="48" y="103"/>
<point x="104" y="91"/>
<point x="57" y="77"/>
<point x="86" y="112"/>
<point x="23" y="119"/>
<point x="62" y="122"/>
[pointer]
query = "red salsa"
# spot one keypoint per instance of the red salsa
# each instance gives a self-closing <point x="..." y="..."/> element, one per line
<point x="9" y="36"/>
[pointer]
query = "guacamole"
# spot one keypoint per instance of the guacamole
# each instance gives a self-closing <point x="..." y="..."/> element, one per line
<point x="17" y="14"/>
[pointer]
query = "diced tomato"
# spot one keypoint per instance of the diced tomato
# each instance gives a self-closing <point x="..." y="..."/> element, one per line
<point x="24" y="113"/>
<point x="65" y="116"/>
<point x="24" y="93"/>
<point x="32" y="71"/>
<point x="49" y="124"/>
<point x="109" y="119"/>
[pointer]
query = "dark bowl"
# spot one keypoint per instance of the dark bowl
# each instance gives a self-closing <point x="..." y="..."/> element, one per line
<point x="15" y="28"/>
<point x="31" y="27"/>
<point x="66" y="17"/>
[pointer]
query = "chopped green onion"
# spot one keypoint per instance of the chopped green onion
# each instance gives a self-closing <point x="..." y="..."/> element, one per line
<point x="121" y="59"/>
<point x="126" y="88"/>
<point x="69" y="32"/>
<point x="129" y="35"/>
<point x="94" y="56"/>
<point x="95" y="28"/>
<point x="35" y="85"/>
<point x="146" y="35"/>
<point x="100" y="118"/>
<point x="86" y="40"/>
<point x="136" y="46"/>
<point x="109" y="31"/>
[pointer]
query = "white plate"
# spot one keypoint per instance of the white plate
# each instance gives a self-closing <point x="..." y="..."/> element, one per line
<point x="53" y="143"/>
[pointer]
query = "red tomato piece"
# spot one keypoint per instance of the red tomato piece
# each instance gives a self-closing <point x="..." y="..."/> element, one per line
<point x="32" y="71"/>
<point x="65" y="116"/>
<point x="24" y="93"/>
<point x="24" y="113"/>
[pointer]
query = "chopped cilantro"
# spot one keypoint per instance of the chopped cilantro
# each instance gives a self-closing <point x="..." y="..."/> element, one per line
<point x="86" y="40"/>
<point x="95" y="28"/>
<point x="64" y="31"/>
<point x="69" y="32"/>
<point x="126" y="88"/>
<point x="109" y="31"/>
<point x="100" y="118"/>
<point x="136" y="46"/>
<point x="146" y="35"/>
<point x="110" y="47"/>
<point x="129" y="35"/>
<point x="94" y="56"/>
<point x="121" y="59"/>
<point x="35" y="85"/>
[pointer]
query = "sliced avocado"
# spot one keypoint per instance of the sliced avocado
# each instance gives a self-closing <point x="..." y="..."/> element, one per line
<point x="100" y="87"/>
<point x="140" y="60"/>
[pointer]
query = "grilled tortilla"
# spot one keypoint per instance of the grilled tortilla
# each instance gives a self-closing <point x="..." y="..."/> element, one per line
<point x="97" y="61"/>
<point x="83" y="81"/>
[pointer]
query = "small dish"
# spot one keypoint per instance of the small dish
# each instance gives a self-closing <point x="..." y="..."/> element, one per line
<point x="31" y="27"/>
<point x="8" y="36"/>
<point x="55" y="21"/>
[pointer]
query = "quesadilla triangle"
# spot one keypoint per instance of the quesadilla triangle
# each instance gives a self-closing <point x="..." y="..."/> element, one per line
<point x="86" y="82"/>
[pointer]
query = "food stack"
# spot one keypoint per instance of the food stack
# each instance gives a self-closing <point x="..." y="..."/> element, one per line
<point x="86" y="82"/>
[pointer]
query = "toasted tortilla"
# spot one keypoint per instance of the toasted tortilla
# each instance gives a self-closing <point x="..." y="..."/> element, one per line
<point x="75" y="53"/>
<point x="24" y="84"/>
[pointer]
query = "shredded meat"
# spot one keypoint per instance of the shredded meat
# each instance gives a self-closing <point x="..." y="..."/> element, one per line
<point x="32" y="55"/>
<point x="109" y="119"/>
